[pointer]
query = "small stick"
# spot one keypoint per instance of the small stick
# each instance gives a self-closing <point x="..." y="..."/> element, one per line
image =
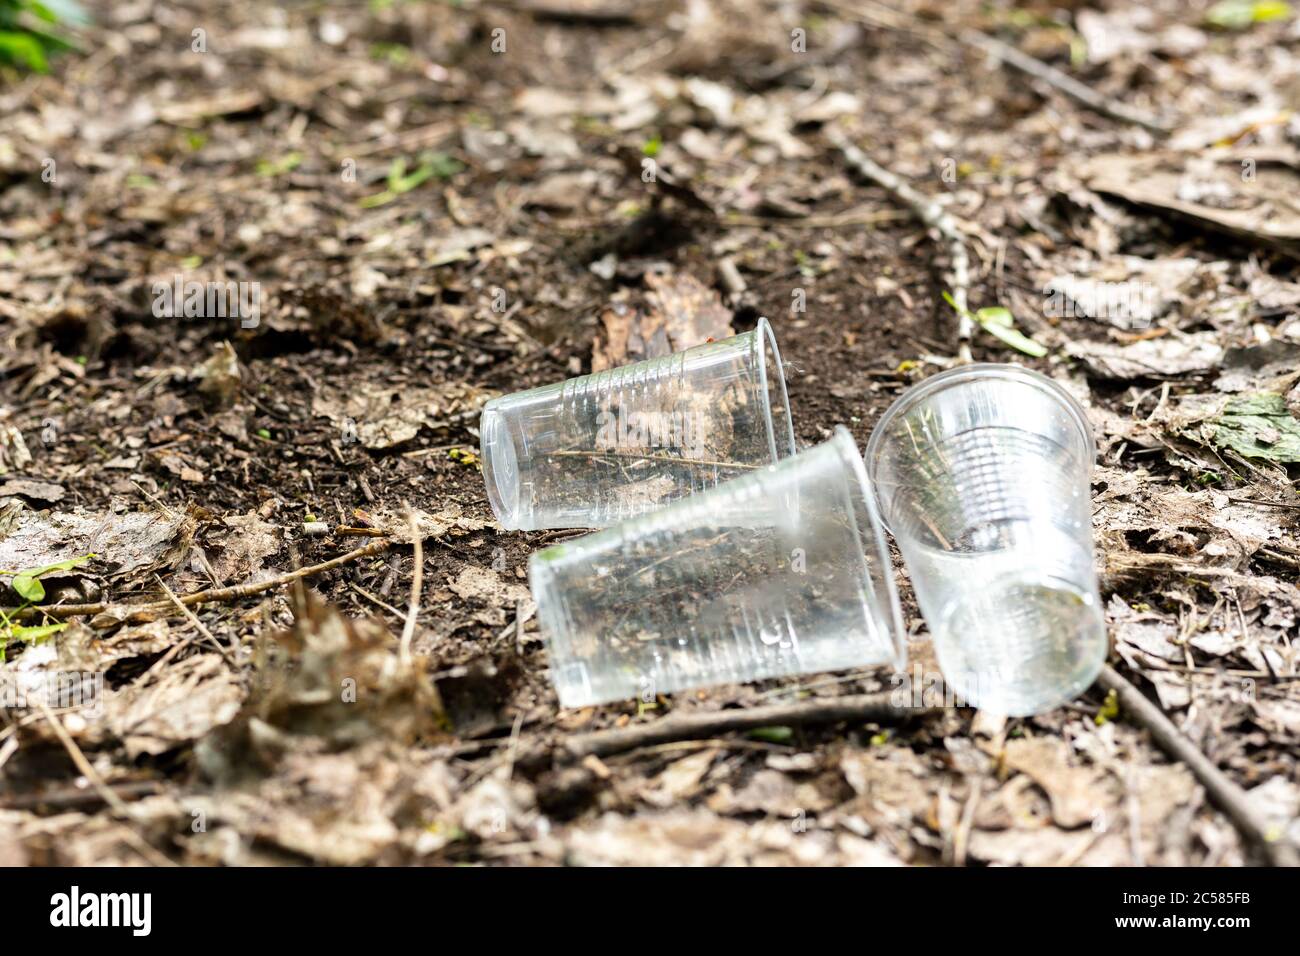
<point x="194" y="619"/>
<point x="933" y="216"/>
<point x="817" y="222"/>
<point x="115" y="803"/>
<point x="731" y="279"/>
<point x="75" y="798"/>
<point x="632" y="456"/>
<point x="887" y="18"/>
<point x="1225" y="794"/>
<point x="376" y="601"/>
<point x="417" y="585"/>
<point x="688" y="726"/>
<point x="1284" y="505"/>
<point x="212" y="595"/>
<point x="1062" y="81"/>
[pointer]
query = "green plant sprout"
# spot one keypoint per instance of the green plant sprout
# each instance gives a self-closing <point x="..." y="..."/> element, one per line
<point x="1241" y="14"/>
<point x="999" y="323"/>
<point x="400" y="181"/>
<point x="31" y="31"/>
<point x="27" y="585"/>
<point x="278" y="167"/>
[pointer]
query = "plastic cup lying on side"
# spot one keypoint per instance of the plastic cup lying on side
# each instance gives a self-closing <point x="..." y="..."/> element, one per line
<point x="596" y="450"/>
<point x="983" y="477"/>
<point x="782" y="571"/>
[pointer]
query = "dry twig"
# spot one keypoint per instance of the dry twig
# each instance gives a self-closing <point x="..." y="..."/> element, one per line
<point x="417" y="585"/>
<point x="1080" y="93"/>
<point x="1225" y="794"/>
<point x="934" y="217"/>
<point x="106" y="793"/>
<point x="883" y="17"/>
<point x="687" y="726"/>
<point x="194" y="619"/>
<point x="211" y="596"/>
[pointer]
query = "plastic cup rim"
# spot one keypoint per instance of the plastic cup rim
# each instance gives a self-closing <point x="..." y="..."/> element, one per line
<point x="492" y="423"/>
<point x="763" y="333"/>
<point x="874" y="537"/>
<point x="959" y="376"/>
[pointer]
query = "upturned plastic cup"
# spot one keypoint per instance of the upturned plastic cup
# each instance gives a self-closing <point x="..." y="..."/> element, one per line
<point x="782" y="571"/>
<point x="596" y="450"/>
<point x="983" y="477"/>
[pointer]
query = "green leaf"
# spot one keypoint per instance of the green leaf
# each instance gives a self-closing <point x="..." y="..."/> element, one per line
<point x="995" y="315"/>
<point x="432" y="165"/>
<point x="67" y="565"/>
<point x="278" y="167"/>
<point x="1109" y="709"/>
<point x="1240" y="14"/>
<point x="773" y="735"/>
<point x="999" y="323"/>
<point x="1016" y="339"/>
<point x="27" y="584"/>
<point x="28" y="588"/>
<point x="1258" y="426"/>
<point x="35" y="633"/>
<point x="23" y="48"/>
<point x="378" y="199"/>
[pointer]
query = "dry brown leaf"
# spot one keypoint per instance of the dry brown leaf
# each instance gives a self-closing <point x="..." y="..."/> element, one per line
<point x="124" y="543"/>
<point x="677" y="312"/>
<point x="245" y="541"/>
<point x="450" y="520"/>
<point x="1076" y="794"/>
<point x="1211" y="193"/>
<point x="219" y="377"/>
<point x="333" y="681"/>
<point x="45" y="491"/>
<point x="193" y="696"/>
<point x="483" y="584"/>
<point x="387" y="416"/>
<point x="679" y="780"/>
<point x="1167" y="356"/>
<point x="700" y="838"/>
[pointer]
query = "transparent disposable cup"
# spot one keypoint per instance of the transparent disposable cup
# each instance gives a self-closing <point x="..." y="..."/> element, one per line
<point x="782" y="571"/>
<point x="596" y="450"/>
<point x="983" y="477"/>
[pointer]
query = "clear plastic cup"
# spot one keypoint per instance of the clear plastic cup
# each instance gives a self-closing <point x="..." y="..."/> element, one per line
<point x="781" y="571"/>
<point x="597" y="450"/>
<point x="983" y="477"/>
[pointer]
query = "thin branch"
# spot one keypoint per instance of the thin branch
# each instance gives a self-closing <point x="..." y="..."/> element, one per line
<point x="1283" y="505"/>
<point x="77" y="798"/>
<point x="194" y="620"/>
<point x="933" y="216"/>
<point x="886" y="18"/>
<point x="106" y="793"/>
<point x="1225" y="794"/>
<point x="417" y="585"/>
<point x="1080" y="93"/>
<point x="635" y="456"/>
<point x="137" y="612"/>
<point x="689" y="726"/>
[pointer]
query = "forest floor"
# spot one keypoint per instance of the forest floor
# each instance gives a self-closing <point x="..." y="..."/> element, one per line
<point x="436" y="203"/>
